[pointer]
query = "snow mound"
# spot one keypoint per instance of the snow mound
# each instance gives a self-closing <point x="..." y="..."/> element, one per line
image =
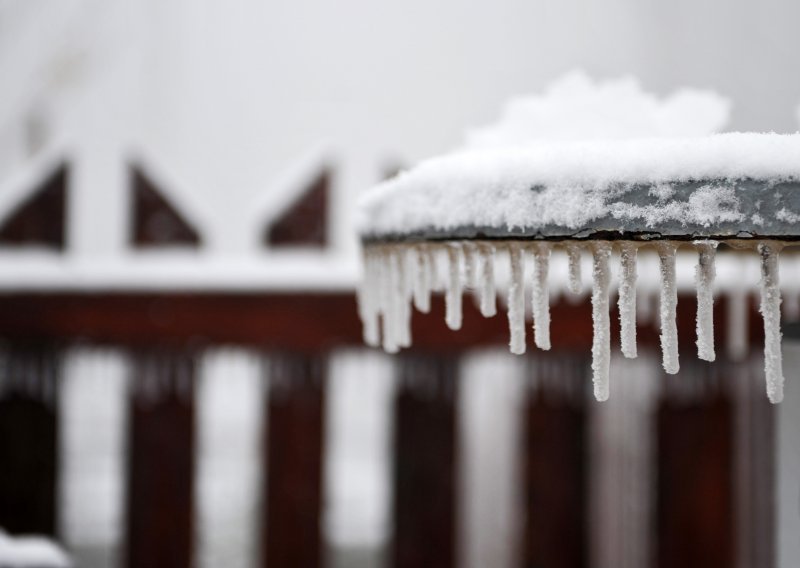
<point x="30" y="552"/>
<point x="576" y="107"/>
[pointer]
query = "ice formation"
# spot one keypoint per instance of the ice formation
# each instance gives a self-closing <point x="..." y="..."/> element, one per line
<point x="574" y="256"/>
<point x="540" y="297"/>
<point x="454" y="287"/>
<point x="516" y="299"/>
<point x="704" y="279"/>
<point x="627" y="299"/>
<point x="601" y="344"/>
<point x="488" y="304"/>
<point x="668" y="307"/>
<point x="399" y="275"/>
<point x="771" y="312"/>
<point x="422" y="283"/>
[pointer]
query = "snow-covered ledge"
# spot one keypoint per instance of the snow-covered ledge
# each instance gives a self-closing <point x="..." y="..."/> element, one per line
<point x="440" y="225"/>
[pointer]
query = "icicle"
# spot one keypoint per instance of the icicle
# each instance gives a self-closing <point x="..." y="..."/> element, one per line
<point x="470" y="264"/>
<point x="668" y="307"/>
<point x="422" y="282"/>
<point x="486" y="281"/>
<point x="601" y="342"/>
<point x="433" y="253"/>
<point x="704" y="279"/>
<point x="453" y="298"/>
<point x="574" y="257"/>
<point x="627" y="299"/>
<point x="403" y="299"/>
<point x="516" y="299"/>
<point x="771" y="311"/>
<point x="368" y="307"/>
<point x="388" y="281"/>
<point x="540" y="296"/>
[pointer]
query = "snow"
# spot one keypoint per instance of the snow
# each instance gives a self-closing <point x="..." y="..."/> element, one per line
<point x="516" y="299"/>
<point x="627" y="299"/>
<point x="771" y="311"/>
<point x="29" y="551"/>
<point x="668" y="307"/>
<point x="601" y="342"/>
<point x="704" y="276"/>
<point x="576" y="107"/>
<point x="39" y="270"/>
<point x="788" y="216"/>
<point x="570" y="184"/>
<point x="540" y="296"/>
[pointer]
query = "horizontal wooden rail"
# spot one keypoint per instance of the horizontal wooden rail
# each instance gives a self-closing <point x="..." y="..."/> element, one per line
<point x="299" y="322"/>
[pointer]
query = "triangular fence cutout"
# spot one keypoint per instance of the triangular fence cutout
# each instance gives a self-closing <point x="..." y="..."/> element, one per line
<point x="39" y="219"/>
<point x="305" y="223"/>
<point x="156" y="222"/>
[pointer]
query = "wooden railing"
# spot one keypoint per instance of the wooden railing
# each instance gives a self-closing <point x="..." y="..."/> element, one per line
<point x="696" y="504"/>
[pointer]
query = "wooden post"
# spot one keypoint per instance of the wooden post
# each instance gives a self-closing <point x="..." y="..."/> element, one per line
<point x="424" y="473"/>
<point x="161" y="453"/>
<point x="28" y="441"/>
<point x="695" y="484"/>
<point x="294" y="437"/>
<point x="555" y="464"/>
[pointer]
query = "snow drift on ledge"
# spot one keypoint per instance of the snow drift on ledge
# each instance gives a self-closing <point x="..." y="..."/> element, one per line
<point x="572" y="184"/>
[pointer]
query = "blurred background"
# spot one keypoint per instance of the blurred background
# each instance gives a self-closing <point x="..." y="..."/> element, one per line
<point x="182" y="379"/>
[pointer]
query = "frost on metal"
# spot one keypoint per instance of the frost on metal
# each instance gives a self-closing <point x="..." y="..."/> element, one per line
<point x="399" y="276"/>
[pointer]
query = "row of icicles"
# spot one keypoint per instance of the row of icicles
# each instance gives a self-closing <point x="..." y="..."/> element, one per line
<point x="397" y="274"/>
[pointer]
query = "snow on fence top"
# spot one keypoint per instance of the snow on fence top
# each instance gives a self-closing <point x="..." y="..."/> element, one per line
<point x="725" y="186"/>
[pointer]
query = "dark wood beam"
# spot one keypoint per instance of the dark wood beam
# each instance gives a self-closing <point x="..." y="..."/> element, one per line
<point x="29" y="441"/>
<point x="555" y="464"/>
<point x="695" y="500"/>
<point x="307" y="322"/>
<point x="293" y="466"/>
<point x="425" y="463"/>
<point x="161" y="462"/>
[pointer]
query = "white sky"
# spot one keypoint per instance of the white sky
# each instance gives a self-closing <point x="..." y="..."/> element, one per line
<point x="231" y="96"/>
